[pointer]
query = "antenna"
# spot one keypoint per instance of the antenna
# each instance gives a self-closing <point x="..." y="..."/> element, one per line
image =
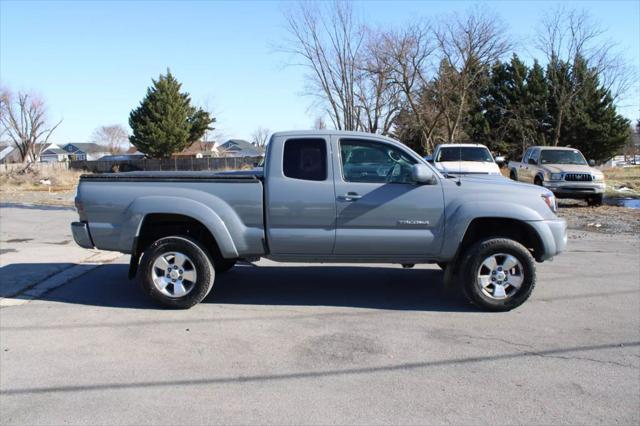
<point x="458" y="180"/>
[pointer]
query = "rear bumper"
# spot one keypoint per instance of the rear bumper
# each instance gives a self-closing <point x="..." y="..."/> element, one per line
<point x="575" y="189"/>
<point x="81" y="235"/>
<point x="553" y="235"/>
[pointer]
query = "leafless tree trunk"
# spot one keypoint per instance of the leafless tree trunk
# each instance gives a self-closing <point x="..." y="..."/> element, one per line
<point x="346" y="75"/>
<point x="23" y="119"/>
<point x="407" y="55"/>
<point x="567" y="36"/>
<point x="319" y="124"/>
<point x="115" y="137"/>
<point x="466" y="45"/>
<point x="260" y="136"/>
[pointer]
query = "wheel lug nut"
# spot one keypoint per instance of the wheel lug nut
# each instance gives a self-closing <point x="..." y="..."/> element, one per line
<point x="493" y="278"/>
<point x="493" y="272"/>
<point x="173" y="281"/>
<point x="180" y="271"/>
<point x="175" y="267"/>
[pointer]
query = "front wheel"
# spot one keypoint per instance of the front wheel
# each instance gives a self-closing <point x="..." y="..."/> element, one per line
<point x="498" y="274"/>
<point x="176" y="272"/>
<point x="595" y="201"/>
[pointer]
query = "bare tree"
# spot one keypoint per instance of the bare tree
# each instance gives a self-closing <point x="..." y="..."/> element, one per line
<point x="346" y="74"/>
<point x="319" y="124"/>
<point x="23" y="118"/>
<point x="114" y="136"/>
<point x="407" y="54"/>
<point x="260" y="136"/>
<point x="567" y="37"/>
<point x="466" y="44"/>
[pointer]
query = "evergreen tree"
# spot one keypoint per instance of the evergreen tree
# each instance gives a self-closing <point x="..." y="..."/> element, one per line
<point x="165" y="122"/>
<point x="592" y="123"/>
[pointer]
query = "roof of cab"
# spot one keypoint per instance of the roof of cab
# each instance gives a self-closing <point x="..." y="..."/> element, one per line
<point x="328" y="132"/>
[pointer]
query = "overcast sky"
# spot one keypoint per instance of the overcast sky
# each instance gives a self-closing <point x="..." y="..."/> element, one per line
<point x="93" y="61"/>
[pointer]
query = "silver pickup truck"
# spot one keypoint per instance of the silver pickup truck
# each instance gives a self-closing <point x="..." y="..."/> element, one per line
<point x="323" y="196"/>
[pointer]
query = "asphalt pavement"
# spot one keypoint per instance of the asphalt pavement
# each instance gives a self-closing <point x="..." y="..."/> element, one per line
<point x="309" y="344"/>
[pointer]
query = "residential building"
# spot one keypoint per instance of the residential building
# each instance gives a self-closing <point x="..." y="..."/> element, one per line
<point x="85" y="151"/>
<point x="240" y="148"/>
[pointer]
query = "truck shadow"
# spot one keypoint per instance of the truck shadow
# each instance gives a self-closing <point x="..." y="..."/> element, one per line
<point x="341" y="286"/>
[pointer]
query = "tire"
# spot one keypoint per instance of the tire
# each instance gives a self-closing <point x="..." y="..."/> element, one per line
<point x="537" y="181"/>
<point x="595" y="201"/>
<point x="513" y="175"/>
<point x="223" y="265"/>
<point x="188" y="265"/>
<point x="480" y="282"/>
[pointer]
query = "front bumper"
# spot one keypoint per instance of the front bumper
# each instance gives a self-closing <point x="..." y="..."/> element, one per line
<point x="553" y="235"/>
<point x="81" y="235"/>
<point x="564" y="189"/>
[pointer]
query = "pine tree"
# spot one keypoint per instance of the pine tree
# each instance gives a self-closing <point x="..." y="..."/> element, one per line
<point x="592" y="123"/>
<point x="165" y="122"/>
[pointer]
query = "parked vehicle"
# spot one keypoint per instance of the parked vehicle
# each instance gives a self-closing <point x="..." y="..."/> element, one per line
<point x="322" y="196"/>
<point x="562" y="170"/>
<point x="464" y="159"/>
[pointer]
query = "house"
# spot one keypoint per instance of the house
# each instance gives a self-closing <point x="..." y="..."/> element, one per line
<point x="7" y="153"/>
<point x="47" y="153"/>
<point x="199" y="149"/>
<point x="85" y="151"/>
<point x="52" y="154"/>
<point x="240" y="148"/>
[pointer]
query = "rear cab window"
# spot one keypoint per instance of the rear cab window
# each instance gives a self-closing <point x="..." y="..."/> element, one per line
<point x="305" y="159"/>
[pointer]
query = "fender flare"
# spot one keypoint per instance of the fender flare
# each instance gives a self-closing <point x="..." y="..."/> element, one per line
<point x="210" y="219"/>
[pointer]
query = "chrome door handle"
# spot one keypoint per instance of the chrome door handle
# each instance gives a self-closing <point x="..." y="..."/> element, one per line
<point x="350" y="196"/>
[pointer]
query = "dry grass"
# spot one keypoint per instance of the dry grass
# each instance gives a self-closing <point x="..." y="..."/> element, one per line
<point x="627" y="177"/>
<point x="39" y="180"/>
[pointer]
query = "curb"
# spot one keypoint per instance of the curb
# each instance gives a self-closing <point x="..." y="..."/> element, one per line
<point x="59" y="279"/>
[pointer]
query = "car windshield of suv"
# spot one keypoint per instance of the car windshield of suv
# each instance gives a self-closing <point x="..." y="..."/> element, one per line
<point x="467" y="153"/>
<point x="562" y="156"/>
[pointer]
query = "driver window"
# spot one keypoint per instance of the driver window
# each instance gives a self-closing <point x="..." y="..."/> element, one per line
<point x="375" y="162"/>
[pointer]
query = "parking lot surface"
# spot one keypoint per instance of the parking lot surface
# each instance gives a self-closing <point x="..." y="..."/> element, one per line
<point x="332" y="345"/>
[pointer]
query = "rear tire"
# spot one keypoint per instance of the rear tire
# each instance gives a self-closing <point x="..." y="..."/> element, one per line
<point x="537" y="181"/>
<point x="176" y="272"/>
<point x="498" y="274"/>
<point x="513" y="175"/>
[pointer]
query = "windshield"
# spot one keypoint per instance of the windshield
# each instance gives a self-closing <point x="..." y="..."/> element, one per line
<point x="562" y="156"/>
<point x="464" y="154"/>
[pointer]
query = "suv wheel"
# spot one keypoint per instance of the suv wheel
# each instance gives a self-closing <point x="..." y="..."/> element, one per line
<point x="498" y="274"/>
<point x="513" y="175"/>
<point x="176" y="272"/>
<point x="537" y="181"/>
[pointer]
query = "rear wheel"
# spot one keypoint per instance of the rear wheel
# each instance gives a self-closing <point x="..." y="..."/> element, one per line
<point x="538" y="181"/>
<point x="513" y="175"/>
<point x="176" y="272"/>
<point x="498" y="274"/>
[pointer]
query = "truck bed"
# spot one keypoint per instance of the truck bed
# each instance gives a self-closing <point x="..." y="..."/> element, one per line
<point x="115" y="205"/>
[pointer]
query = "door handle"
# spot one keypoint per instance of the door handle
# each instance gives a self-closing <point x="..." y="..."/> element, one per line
<point x="350" y="196"/>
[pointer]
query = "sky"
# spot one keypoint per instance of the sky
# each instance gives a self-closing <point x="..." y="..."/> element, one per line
<point x="92" y="61"/>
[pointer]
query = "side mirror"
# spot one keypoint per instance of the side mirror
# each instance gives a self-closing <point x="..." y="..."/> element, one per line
<point x="422" y="174"/>
<point x="592" y="163"/>
<point x="429" y="158"/>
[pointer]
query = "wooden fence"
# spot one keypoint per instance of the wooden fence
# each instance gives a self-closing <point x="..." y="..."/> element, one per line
<point x="44" y="166"/>
<point x="185" y="164"/>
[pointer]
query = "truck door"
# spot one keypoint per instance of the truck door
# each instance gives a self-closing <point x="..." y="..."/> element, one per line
<point x="299" y="196"/>
<point x="381" y="211"/>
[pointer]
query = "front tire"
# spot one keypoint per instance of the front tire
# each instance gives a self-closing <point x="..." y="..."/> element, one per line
<point x="498" y="274"/>
<point x="176" y="272"/>
<point x="595" y="201"/>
